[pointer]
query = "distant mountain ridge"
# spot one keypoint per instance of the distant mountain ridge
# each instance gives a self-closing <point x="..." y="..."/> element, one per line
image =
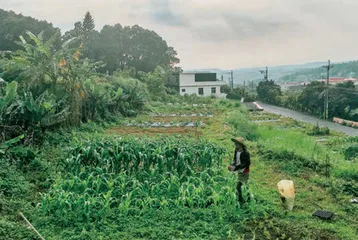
<point x="344" y="69"/>
<point x="288" y="73"/>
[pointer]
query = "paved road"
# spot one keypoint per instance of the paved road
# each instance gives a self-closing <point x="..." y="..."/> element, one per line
<point x="306" y="118"/>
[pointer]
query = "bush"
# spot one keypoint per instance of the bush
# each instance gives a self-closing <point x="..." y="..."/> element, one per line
<point x="351" y="152"/>
<point x="233" y="96"/>
<point x="318" y="131"/>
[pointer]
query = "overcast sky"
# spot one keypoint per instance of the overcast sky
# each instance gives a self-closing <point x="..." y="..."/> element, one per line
<point x="222" y="33"/>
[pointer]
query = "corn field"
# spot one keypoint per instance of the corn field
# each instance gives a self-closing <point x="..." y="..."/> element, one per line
<point x="109" y="176"/>
<point x="115" y="155"/>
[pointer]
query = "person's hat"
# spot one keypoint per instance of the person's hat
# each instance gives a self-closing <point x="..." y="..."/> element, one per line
<point x="239" y="140"/>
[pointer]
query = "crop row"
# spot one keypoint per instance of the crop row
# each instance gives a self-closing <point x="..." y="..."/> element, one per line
<point x="184" y="104"/>
<point x="132" y="155"/>
<point x="163" y="124"/>
<point x="181" y="115"/>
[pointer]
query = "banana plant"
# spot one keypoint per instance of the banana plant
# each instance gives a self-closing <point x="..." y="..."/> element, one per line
<point x="41" y="111"/>
<point x="10" y="95"/>
<point x="9" y="143"/>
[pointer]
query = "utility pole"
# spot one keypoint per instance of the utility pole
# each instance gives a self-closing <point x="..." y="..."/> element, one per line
<point x="265" y="73"/>
<point x="325" y="114"/>
<point x="232" y="79"/>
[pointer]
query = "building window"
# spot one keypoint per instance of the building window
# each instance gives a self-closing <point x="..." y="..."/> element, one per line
<point x="201" y="91"/>
<point x="213" y="90"/>
<point x="183" y="90"/>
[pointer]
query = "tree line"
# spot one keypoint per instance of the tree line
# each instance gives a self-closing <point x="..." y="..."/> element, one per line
<point x="342" y="98"/>
<point x="54" y="80"/>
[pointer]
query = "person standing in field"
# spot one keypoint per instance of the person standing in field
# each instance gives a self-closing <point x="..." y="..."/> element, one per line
<point x="241" y="164"/>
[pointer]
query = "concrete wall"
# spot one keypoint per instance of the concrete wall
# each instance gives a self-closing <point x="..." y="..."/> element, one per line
<point x="195" y="90"/>
<point x="187" y="79"/>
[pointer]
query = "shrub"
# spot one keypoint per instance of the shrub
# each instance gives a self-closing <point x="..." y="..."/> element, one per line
<point x="351" y="152"/>
<point x="318" y="131"/>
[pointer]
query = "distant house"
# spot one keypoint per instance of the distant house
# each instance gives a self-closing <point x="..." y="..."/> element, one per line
<point x="293" y="85"/>
<point x="336" y="80"/>
<point x="332" y="81"/>
<point x="200" y="83"/>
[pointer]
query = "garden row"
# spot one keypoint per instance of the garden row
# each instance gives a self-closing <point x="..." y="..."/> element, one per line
<point x="162" y="124"/>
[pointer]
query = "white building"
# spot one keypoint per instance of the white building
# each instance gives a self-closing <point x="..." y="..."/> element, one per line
<point x="200" y="83"/>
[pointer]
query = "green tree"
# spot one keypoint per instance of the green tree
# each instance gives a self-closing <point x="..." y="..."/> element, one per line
<point x="156" y="82"/>
<point x="132" y="47"/>
<point x="77" y="32"/>
<point x="343" y="100"/>
<point x="225" y="89"/>
<point x="88" y="23"/>
<point x="312" y="98"/>
<point x="13" y="25"/>
<point x="269" y="91"/>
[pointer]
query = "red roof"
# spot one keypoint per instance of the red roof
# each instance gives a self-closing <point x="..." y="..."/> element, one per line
<point x="339" y="79"/>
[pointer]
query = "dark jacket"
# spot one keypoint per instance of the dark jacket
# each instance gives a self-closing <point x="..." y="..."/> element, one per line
<point x="244" y="159"/>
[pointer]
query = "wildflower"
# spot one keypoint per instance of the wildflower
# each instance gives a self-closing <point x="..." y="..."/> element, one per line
<point x="62" y="63"/>
<point x="76" y="55"/>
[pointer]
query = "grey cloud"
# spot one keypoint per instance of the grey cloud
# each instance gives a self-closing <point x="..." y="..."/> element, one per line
<point x="163" y="14"/>
<point x="241" y="27"/>
<point x="245" y="27"/>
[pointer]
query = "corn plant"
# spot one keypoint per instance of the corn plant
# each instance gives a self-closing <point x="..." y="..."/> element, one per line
<point x="134" y="155"/>
<point x="93" y="196"/>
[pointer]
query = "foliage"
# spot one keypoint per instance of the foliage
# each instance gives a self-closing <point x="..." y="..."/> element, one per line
<point x="316" y="130"/>
<point x="225" y="89"/>
<point x="49" y="80"/>
<point x="156" y="82"/>
<point x="236" y="94"/>
<point x="6" y="98"/>
<point x="268" y="91"/>
<point x="351" y="152"/>
<point x="105" y="97"/>
<point x="9" y="143"/>
<point x="13" y="25"/>
<point x="239" y="93"/>
<point x="342" y="99"/>
<point x="92" y="196"/>
<point x="88" y="23"/>
<point x="127" y="47"/>
<point x="312" y="98"/>
<point x="112" y="177"/>
<point x="165" y="155"/>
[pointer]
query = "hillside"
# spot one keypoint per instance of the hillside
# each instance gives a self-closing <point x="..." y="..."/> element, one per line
<point x="253" y="74"/>
<point x="346" y="69"/>
<point x="290" y="73"/>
